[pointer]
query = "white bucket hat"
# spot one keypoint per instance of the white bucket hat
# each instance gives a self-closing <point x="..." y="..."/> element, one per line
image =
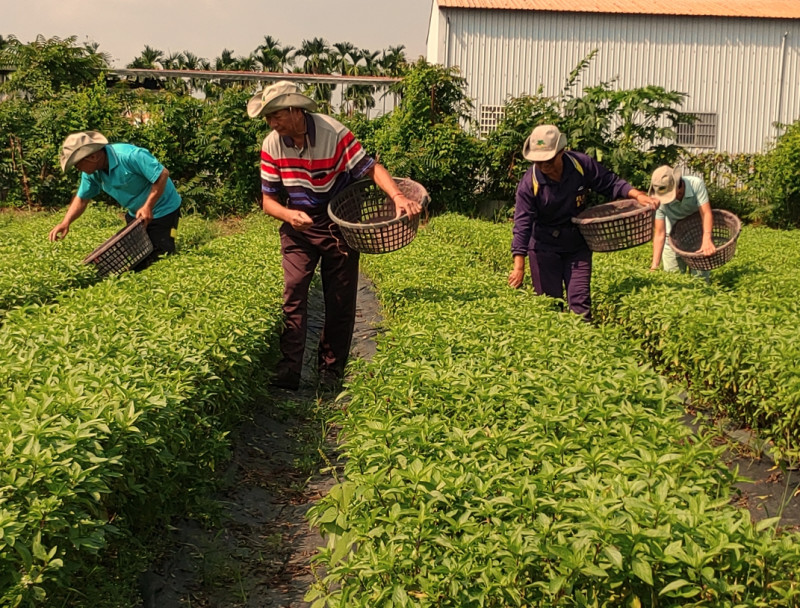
<point x="544" y="142"/>
<point x="279" y="96"/>
<point x="664" y="183"/>
<point x="78" y="146"/>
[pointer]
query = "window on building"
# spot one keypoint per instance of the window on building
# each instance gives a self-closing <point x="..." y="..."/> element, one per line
<point x="701" y="134"/>
<point x="489" y="118"/>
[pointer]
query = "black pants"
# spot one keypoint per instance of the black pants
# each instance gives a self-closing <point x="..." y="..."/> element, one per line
<point x="162" y="234"/>
<point x="322" y="244"/>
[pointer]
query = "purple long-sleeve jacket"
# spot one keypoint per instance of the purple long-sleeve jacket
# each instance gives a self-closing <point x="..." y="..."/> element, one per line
<point x="542" y="221"/>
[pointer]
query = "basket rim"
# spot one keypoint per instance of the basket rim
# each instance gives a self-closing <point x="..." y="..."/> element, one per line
<point x="113" y="240"/>
<point x="697" y="255"/>
<point x="377" y="225"/>
<point x="642" y="210"/>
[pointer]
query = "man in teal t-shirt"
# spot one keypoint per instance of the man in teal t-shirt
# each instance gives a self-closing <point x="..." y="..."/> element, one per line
<point x="131" y="176"/>
<point x="680" y="197"/>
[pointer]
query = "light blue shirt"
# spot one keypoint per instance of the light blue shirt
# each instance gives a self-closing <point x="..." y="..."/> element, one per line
<point x="132" y="171"/>
<point x="695" y="195"/>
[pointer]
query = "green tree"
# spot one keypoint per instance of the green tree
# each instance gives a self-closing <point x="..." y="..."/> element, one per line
<point x="625" y="129"/>
<point x="778" y="180"/>
<point x="504" y="163"/>
<point x="423" y="138"/>
<point x="630" y="131"/>
<point x="48" y="66"/>
<point x="33" y="135"/>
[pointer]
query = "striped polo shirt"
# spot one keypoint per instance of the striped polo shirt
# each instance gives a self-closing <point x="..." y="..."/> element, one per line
<point x="331" y="160"/>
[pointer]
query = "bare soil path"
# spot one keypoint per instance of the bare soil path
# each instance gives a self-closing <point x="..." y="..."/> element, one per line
<point x="258" y="553"/>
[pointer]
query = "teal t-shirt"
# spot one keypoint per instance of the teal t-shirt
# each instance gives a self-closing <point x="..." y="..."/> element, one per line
<point x="132" y="171"/>
<point x="694" y="197"/>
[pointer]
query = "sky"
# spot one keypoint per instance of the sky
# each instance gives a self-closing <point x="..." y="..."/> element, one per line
<point x="206" y="27"/>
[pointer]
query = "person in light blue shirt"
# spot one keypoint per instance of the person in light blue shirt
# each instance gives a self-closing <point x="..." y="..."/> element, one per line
<point x="131" y="176"/>
<point x="680" y="196"/>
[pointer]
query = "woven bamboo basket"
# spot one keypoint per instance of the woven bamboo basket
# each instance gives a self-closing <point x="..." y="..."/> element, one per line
<point x="122" y="251"/>
<point x="687" y="237"/>
<point x="366" y="216"/>
<point x="617" y="225"/>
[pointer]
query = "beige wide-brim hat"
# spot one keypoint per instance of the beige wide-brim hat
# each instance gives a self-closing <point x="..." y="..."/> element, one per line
<point x="664" y="183"/>
<point x="78" y="146"/>
<point x="544" y="142"/>
<point x="279" y="96"/>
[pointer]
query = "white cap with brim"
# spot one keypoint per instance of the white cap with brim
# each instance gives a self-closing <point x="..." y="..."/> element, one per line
<point x="664" y="184"/>
<point x="279" y="96"/>
<point x="78" y="146"/>
<point x="544" y="142"/>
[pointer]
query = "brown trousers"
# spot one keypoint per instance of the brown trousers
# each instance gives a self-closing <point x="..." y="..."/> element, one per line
<point x="301" y="252"/>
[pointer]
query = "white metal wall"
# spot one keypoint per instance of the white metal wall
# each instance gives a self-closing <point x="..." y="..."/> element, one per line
<point x="747" y="71"/>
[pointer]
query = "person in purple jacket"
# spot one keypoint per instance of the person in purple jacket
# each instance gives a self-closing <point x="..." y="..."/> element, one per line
<point x="550" y="194"/>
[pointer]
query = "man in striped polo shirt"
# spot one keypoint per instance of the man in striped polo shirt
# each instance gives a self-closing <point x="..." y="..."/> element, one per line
<point x="312" y="157"/>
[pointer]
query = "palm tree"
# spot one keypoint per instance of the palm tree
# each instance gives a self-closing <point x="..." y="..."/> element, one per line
<point x="371" y="65"/>
<point x="173" y="61"/>
<point x="340" y="62"/>
<point x="226" y="61"/>
<point x="393" y="62"/>
<point x="318" y="61"/>
<point x="343" y="60"/>
<point x="361" y="97"/>
<point x="247" y="64"/>
<point x="148" y="59"/>
<point x="190" y="61"/>
<point x="268" y="59"/>
<point x="317" y="56"/>
<point x="286" y="54"/>
<point x="92" y="48"/>
<point x="273" y="56"/>
<point x="270" y="44"/>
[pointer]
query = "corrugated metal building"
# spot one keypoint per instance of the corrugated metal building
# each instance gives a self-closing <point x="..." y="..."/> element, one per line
<point x="738" y="60"/>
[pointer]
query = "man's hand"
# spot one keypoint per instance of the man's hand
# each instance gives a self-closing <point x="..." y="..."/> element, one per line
<point x="517" y="274"/>
<point x="405" y="205"/>
<point x="59" y="232"/>
<point x="515" y="278"/>
<point x="646" y="199"/>
<point x="707" y="248"/>
<point x="299" y="220"/>
<point x="145" y="214"/>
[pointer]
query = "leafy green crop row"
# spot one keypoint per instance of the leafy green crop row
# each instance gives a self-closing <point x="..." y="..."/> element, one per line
<point x="733" y="343"/>
<point x="116" y="401"/>
<point x="34" y="271"/>
<point x="501" y="454"/>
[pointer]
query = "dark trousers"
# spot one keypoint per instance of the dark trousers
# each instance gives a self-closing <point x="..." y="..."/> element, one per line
<point x="301" y="252"/>
<point x="552" y="272"/>
<point x="162" y="234"/>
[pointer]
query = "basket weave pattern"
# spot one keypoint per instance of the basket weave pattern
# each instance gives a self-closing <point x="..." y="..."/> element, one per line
<point x="616" y="225"/>
<point x="366" y="216"/>
<point x="686" y="239"/>
<point x="122" y="251"/>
